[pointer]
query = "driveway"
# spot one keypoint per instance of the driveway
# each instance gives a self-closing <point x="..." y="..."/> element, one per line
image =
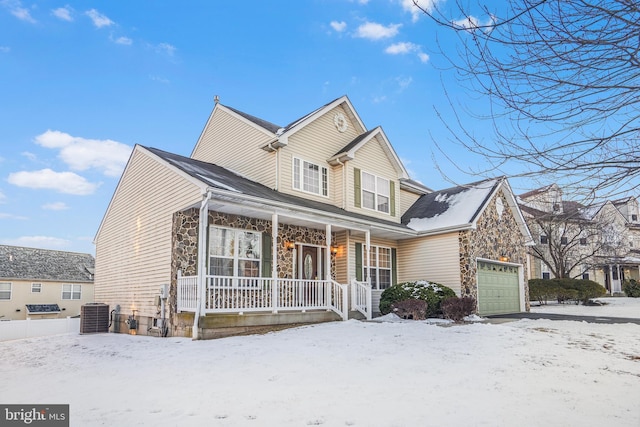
<point x="552" y="316"/>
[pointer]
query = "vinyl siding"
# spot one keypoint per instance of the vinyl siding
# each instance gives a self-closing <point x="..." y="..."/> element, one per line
<point x="133" y="247"/>
<point x="233" y="144"/>
<point x="434" y="258"/>
<point x="315" y="143"/>
<point x="407" y="199"/>
<point x="373" y="159"/>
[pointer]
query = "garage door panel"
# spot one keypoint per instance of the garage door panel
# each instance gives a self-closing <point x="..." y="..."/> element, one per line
<point x="498" y="289"/>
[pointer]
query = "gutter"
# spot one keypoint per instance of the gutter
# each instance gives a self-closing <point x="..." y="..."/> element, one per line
<point x="202" y="247"/>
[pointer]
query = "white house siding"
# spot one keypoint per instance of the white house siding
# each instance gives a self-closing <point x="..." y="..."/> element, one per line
<point x="433" y="258"/>
<point x="50" y="293"/>
<point x="373" y="159"/>
<point x="315" y="143"/>
<point x="133" y="246"/>
<point x="233" y="144"/>
<point x="407" y="199"/>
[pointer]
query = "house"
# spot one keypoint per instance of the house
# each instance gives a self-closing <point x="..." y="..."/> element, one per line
<point x="42" y="284"/>
<point x="265" y="225"/>
<point x="600" y="241"/>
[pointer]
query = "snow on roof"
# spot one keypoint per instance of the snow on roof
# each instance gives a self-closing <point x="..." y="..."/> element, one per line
<point x="453" y="207"/>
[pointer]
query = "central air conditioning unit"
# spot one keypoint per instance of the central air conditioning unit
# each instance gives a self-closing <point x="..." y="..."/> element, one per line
<point x="94" y="318"/>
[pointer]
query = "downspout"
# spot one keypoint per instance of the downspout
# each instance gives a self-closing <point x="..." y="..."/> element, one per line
<point x="202" y="253"/>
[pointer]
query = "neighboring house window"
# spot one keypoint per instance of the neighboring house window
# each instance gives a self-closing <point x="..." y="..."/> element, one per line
<point x="564" y="240"/>
<point x="546" y="275"/>
<point x="634" y="217"/>
<point x="71" y="292"/>
<point x="544" y="240"/>
<point x="36" y="288"/>
<point x="310" y="177"/>
<point x="544" y="269"/>
<point x="375" y="192"/>
<point x="234" y="252"/>
<point x="583" y="241"/>
<point x="5" y="290"/>
<point x="380" y="267"/>
<point x="585" y="275"/>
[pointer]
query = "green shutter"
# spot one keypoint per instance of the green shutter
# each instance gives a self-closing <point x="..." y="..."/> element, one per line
<point x="394" y="267"/>
<point x="267" y="258"/>
<point x="357" y="197"/>
<point x="359" y="262"/>
<point x="392" y="198"/>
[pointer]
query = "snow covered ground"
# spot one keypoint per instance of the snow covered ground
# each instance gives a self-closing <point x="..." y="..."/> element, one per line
<point x="410" y="373"/>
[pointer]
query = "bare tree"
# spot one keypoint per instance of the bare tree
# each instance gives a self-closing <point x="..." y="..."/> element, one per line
<point x="562" y="78"/>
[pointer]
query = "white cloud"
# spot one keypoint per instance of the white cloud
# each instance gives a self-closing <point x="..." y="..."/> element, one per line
<point x="122" y="40"/>
<point x="471" y="23"/>
<point x="99" y="20"/>
<point x="166" y="48"/>
<point x="159" y="79"/>
<point x="4" y="215"/>
<point x="16" y="9"/>
<point x="5" y="49"/>
<point x="416" y="12"/>
<point x="2" y="197"/>
<point x="404" y="48"/>
<point x="44" y="242"/>
<point x="374" y="31"/>
<point x="63" y="13"/>
<point x="55" y="206"/>
<point x="107" y="156"/>
<point x="404" y="82"/>
<point x="62" y="182"/>
<point x="338" y="26"/>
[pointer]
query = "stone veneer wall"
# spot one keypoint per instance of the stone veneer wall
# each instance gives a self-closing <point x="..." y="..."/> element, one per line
<point x="493" y="237"/>
<point x="184" y="252"/>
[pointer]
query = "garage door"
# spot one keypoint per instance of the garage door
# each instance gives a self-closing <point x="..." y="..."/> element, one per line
<point x="498" y="289"/>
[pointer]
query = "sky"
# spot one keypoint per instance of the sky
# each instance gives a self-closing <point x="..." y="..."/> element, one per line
<point x="82" y="82"/>
<point x="392" y="372"/>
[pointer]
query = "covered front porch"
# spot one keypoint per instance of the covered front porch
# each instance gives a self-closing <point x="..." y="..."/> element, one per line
<point x="237" y="261"/>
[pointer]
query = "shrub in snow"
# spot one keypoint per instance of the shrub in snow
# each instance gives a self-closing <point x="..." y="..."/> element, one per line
<point x="578" y="290"/>
<point x="412" y="308"/>
<point x="456" y="309"/>
<point x="631" y="288"/>
<point x="429" y="292"/>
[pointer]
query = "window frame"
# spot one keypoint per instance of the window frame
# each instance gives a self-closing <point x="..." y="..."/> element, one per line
<point x="235" y="252"/>
<point x="72" y="292"/>
<point x="377" y="193"/>
<point x="37" y="286"/>
<point x="299" y="182"/>
<point x="9" y="292"/>
<point x="374" y="270"/>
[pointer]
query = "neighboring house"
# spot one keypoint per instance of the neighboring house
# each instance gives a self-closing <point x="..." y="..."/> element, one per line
<point x="266" y="225"/>
<point x="41" y="283"/>
<point x="600" y="242"/>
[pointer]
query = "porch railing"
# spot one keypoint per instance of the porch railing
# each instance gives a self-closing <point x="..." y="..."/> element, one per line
<point x="226" y="294"/>
<point x="361" y="298"/>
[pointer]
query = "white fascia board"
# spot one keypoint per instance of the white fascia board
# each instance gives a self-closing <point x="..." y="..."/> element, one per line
<point x="444" y="230"/>
<point x="389" y="148"/>
<point x="321" y="111"/>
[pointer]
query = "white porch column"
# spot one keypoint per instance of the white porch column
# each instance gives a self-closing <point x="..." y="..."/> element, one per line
<point x="274" y="262"/>
<point x="328" y="253"/>
<point x="201" y="283"/>
<point x="367" y="260"/>
<point x="611" y="279"/>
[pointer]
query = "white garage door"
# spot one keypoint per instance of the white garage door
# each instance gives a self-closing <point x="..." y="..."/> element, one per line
<point x="498" y="289"/>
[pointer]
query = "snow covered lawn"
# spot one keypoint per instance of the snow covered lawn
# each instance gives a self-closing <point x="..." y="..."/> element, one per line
<point x="525" y="373"/>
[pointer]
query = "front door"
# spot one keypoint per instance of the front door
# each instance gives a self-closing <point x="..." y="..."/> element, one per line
<point x="311" y="263"/>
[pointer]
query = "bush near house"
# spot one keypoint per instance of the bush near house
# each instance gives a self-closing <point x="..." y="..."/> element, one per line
<point x="631" y="288"/>
<point x="563" y="290"/>
<point x="431" y="293"/>
<point x="415" y="309"/>
<point x="456" y="309"/>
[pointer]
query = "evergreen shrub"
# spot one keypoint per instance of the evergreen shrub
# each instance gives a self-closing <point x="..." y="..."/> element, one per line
<point x="431" y="293"/>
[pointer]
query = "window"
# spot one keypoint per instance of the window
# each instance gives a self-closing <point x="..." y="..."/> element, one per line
<point x="71" y="291"/>
<point x="375" y="193"/>
<point x="634" y="217"/>
<point x="234" y="252"/>
<point x="564" y="241"/>
<point x="5" y="291"/>
<point x="546" y="275"/>
<point x="583" y="241"/>
<point x="36" y="288"/>
<point x="544" y="270"/>
<point x="544" y="240"/>
<point x="310" y="177"/>
<point x="380" y="267"/>
<point x="585" y="275"/>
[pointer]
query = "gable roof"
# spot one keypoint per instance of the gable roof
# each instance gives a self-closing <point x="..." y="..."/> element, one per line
<point x="460" y="207"/>
<point x="452" y="208"/>
<point x="19" y="262"/>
